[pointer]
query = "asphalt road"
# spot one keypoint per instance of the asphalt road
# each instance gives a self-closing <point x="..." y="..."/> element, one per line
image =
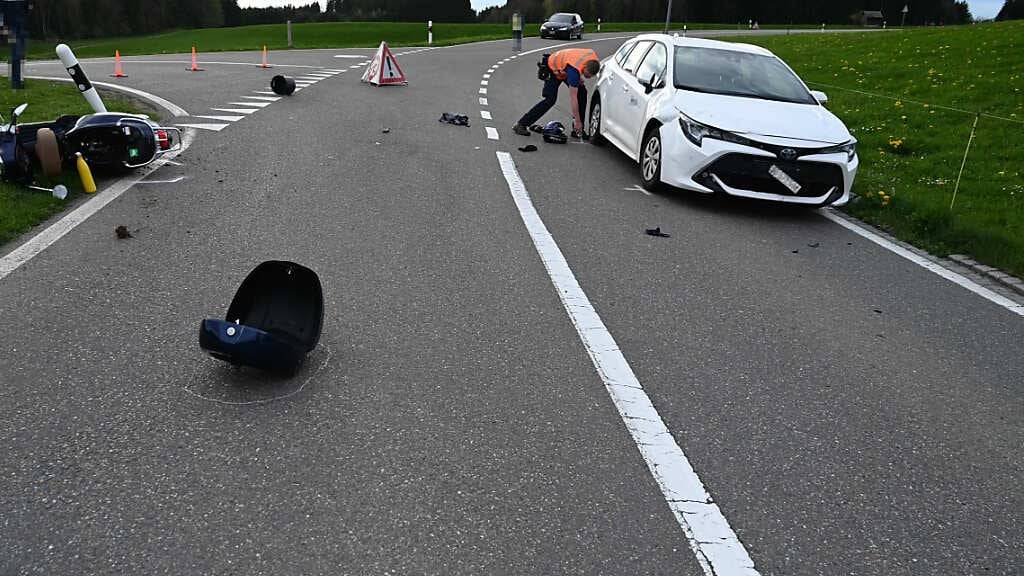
<point x="848" y="411"/>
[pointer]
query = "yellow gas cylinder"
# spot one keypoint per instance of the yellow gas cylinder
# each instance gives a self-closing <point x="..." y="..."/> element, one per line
<point x="88" y="184"/>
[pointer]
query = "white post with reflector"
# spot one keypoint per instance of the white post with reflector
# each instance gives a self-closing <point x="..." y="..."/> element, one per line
<point x="67" y="58"/>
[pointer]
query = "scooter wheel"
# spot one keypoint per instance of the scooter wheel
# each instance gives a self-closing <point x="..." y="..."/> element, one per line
<point x="48" y="152"/>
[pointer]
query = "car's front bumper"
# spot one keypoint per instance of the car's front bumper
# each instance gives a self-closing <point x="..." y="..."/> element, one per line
<point x="723" y="167"/>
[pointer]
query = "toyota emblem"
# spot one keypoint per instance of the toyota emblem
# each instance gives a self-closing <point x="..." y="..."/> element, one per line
<point x="787" y="154"/>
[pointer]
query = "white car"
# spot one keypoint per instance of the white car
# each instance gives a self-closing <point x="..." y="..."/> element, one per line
<point x="719" y="117"/>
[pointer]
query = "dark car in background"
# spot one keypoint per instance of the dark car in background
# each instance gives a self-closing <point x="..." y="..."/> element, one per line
<point x="562" y="25"/>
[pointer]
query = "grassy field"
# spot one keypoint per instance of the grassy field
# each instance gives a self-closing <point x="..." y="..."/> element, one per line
<point x="21" y="208"/>
<point x="316" y="35"/>
<point x="911" y="99"/>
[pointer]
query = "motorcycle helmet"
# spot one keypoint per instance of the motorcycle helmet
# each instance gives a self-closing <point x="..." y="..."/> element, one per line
<point x="554" y="132"/>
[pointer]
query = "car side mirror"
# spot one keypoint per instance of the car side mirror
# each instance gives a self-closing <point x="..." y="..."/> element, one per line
<point x="650" y="86"/>
<point x="821" y="97"/>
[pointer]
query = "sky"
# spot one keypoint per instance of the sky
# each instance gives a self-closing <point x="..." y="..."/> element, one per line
<point x="980" y="8"/>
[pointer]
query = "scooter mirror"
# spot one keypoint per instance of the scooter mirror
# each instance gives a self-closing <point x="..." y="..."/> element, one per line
<point x="19" y="110"/>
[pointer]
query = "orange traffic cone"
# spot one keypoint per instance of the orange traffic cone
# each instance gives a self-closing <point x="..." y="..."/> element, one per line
<point x="265" y="64"/>
<point x="118" y="71"/>
<point x="195" y="67"/>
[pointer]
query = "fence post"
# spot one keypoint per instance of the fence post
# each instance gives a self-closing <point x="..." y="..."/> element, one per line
<point x="290" y="34"/>
<point x="517" y="31"/>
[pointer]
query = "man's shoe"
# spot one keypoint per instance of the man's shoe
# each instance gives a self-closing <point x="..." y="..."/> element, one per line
<point x="521" y="130"/>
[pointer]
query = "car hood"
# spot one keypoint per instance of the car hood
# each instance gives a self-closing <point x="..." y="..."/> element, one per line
<point x="755" y="117"/>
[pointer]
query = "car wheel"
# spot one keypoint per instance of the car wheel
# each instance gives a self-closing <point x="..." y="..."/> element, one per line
<point x="650" y="160"/>
<point x="595" y="122"/>
<point x="48" y="152"/>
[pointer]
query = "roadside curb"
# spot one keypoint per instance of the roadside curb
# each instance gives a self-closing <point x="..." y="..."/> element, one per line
<point x="995" y="274"/>
<point x="986" y="276"/>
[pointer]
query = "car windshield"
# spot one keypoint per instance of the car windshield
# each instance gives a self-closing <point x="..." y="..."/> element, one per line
<point x="561" y="19"/>
<point x="733" y="73"/>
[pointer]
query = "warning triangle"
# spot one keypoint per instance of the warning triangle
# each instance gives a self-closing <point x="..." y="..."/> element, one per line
<point x="384" y="69"/>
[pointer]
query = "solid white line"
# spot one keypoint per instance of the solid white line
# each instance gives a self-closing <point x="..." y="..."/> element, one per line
<point x="963" y="281"/>
<point x="485" y="115"/>
<point x="483" y="90"/>
<point x="258" y="104"/>
<point x="223" y="118"/>
<point x="492" y="134"/>
<point x="55" y="232"/>
<point x="483" y="101"/>
<point x="264" y="98"/>
<point x="237" y="110"/>
<point x="212" y="127"/>
<point x="718" y="550"/>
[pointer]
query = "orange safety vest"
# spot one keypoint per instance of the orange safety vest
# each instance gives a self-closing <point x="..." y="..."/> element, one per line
<point x="575" y="57"/>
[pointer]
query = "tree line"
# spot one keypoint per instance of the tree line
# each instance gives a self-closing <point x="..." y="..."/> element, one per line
<point x="92" y="18"/>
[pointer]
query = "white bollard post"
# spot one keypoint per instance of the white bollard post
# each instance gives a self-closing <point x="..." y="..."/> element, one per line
<point x="290" y="34"/>
<point x="67" y="58"/>
<point x="430" y="32"/>
<point x="598" y="24"/>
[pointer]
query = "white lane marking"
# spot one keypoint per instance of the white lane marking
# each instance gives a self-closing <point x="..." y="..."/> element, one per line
<point x="356" y="66"/>
<point x="718" y="550"/>
<point x="485" y="115"/>
<point x="484" y="82"/>
<point x="309" y="78"/>
<point x="950" y="275"/>
<point x="483" y="101"/>
<point x="171" y="181"/>
<point x="211" y="127"/>
<point x="483" y="90"/>
<point x="259" y="104"/>
<point x="222" y="118"/>
<point x="335" y="70"/>
<point x="267" y="92"/>
<point x="492" y="134"/>
<point x="60" y="228"/>
<point x="263" y="98"/>
<point x="349" y="56"/>
<point x="638" y="188"/>
<point x="237" y="110"/>
<point x="492" y="69"/>
<point x="486" y="76"/>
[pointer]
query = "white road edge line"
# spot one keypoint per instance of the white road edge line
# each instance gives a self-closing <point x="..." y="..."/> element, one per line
<point x="946" y="273"/>
<point x="492" y="133"/>
<point x="33" y="246"/>
<point x="717" y="548"/>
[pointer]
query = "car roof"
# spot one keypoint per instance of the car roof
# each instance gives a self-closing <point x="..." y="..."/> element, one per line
<point x="563" y="14"/>
<point x="705" y="43"/>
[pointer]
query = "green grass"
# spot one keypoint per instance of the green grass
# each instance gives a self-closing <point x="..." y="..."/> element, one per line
<point x="317" y="35"/>
<point x="21" y="208"/>
<point x="911" y="146"/>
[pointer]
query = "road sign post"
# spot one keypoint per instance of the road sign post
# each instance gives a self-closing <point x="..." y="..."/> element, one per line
<point x="903" y="22"/>
<point x="517" y="31"/>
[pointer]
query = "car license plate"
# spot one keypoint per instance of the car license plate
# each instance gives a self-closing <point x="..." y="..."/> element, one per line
<point x="785" y="179"/>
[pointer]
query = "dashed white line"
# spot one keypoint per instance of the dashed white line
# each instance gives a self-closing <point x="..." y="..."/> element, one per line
<point x="492" y="134"/>
<point x="483" y="91"/>
<point x="356" y="66"/>
<point x="484" y="82"/>
<point x="714" y="543"/>
<point x="264" y="98"/>
<point x="212" y="127"/>
<point x="259" y="104"/>
<point x="483" y="101"/>
<point x="237" y="110"/>
<point x="267" y="92"/>
<point x="486" y="76"/>
<point x="222" y="118"/>
<point x="485" y="115"/>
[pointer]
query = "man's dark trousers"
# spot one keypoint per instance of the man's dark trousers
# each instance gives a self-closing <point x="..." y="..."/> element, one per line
<point x="550" y="94"/>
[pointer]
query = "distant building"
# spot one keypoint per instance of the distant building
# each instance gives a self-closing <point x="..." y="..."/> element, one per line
<point x="869" y="18"/>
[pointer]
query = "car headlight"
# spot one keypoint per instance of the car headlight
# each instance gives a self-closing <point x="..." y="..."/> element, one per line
<point x="697" y="132"/>
<point x="850" y="148"/>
